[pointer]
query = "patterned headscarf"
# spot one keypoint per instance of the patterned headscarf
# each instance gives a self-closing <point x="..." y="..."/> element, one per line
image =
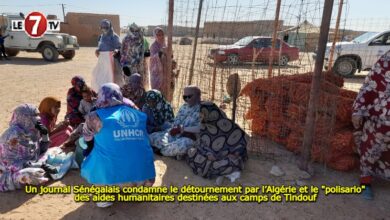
<point x="109" y="95"/>
<point x="155" y="32"/>
<point x="25" y="116"/>
<point x="162" y="111"/>
<point x="47" y="104"/>
<point x="135" y="32"/>
<point x="19" y="144"/>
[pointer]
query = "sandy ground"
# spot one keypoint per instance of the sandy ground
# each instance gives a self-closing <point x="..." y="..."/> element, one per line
<point x="27" y="79"/>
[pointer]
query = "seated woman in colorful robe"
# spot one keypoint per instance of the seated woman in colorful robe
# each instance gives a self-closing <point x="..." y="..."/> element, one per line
<point x="183" y="134"/>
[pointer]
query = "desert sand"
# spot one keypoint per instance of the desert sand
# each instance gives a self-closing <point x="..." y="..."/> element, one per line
<point x="27" y="79"/>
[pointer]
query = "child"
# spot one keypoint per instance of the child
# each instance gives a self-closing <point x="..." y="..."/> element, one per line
<point x="87" y="102"/>
<point x="2" y="49"/>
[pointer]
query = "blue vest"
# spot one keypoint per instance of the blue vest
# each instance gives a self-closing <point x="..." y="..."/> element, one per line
<point x="122" y="152"/>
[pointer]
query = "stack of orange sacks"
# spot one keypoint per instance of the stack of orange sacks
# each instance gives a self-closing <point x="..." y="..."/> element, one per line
<point x="278" y="112"/>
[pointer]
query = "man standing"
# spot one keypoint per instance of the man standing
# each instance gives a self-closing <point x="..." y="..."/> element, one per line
<point x="2" y="49"/>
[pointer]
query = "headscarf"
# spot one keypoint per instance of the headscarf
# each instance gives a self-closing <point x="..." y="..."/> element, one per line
<point x="105" y="23"/>
<point x="132" y="50"/>
<point x="134" y="90"/>
<point x="196" y="95"/>
<point x="19" y="144"/>
<point x="135" y="33"/>
<point x="78" y="81"/>
<point x="109" y="95"/>
<point x="135" y="81"/>
<point x="162" y="112"/>
<point x="47" y="104"/>
<point x="24" y="117"/>
<point x="108" y="41"/>
<point x="21" y="139"/>
<point x="156" y="30"/>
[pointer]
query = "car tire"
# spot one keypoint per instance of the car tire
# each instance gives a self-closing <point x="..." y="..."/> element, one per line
<point x="69" y="54"/>
<point x="232" y="59"/>
<point x="11" y="52"/>
<point x="283" y="60"/>
<point x="345" y="66"/>
<point x="49" y="53"/>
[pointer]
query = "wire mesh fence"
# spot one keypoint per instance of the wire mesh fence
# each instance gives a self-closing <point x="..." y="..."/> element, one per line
<point x="235" y="37"/>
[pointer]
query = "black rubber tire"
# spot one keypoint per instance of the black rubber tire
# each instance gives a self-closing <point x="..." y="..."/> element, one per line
<point x="345" y="66"/>
<point x="49" y="53"/>
<point x="11" y="52"/>
<point x="69" y="54"/>
<point x="283" y="60"/>
<point x="233" y="59"/>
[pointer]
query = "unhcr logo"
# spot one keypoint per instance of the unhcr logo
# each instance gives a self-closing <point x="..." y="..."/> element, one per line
<point x="128" y="119"/>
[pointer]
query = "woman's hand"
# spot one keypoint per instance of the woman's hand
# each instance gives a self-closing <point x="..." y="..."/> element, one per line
<point x="357" y="121"/>
<point x="97" y="53"/>
<point x="175" y="130"/>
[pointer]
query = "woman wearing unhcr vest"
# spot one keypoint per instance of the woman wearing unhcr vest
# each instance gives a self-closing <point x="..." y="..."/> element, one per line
<point x="119" y="149"/>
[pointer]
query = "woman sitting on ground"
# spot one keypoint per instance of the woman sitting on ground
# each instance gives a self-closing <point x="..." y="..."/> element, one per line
<point x="184" y="133"/>
<point x="134" y="90"/>
<point x="49" y="109"/>
<point x="24" y="141"/>
<point x="159" y="112"/>
<point x="222" y="149"/>
<point x="74" y="97"/>
<point x="109" y="131"/>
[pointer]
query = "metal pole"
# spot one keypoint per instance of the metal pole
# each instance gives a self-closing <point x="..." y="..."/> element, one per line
<point x="315" y="87"/>
<point x="274" y="35"/>
<point x="168" y="72"/>
<point x="63" y="11"/>
<point x="195" y="42"/>
<point x="331" y="52"/>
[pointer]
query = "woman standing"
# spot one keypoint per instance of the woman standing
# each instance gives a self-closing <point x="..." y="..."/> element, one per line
<point x="121" y="152"/>
<point x="107" y="68"/>
<point x="158" y="61"/>
<point x="371" y="119"/>
<point x="132" y="50"/>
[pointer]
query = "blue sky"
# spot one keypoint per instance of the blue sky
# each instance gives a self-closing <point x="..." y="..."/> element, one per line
<point x="150" y="12"/>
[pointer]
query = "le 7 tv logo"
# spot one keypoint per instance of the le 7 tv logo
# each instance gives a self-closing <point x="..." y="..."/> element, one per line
<point x="35" y="25"/>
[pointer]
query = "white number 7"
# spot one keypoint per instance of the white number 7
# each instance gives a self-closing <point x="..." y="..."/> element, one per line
<point x="37" y="19"/>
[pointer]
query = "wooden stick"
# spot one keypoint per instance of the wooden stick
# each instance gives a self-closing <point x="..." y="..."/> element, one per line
<point x="308" y="135"/>
<point x="195" y="42"/>
<point x="274" y="36"/>
<point x="331" y="52"/>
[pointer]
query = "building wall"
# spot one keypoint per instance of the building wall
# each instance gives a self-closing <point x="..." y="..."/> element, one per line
<point x="178" y="31"/>
<point x="86" y="26"/>
<point x="238" y="29"/>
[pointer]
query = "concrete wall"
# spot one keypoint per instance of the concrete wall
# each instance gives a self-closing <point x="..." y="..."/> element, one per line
<point x="178" y="31"/>
<point x="86" y="26"/>
<point x="238" y="29"/>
